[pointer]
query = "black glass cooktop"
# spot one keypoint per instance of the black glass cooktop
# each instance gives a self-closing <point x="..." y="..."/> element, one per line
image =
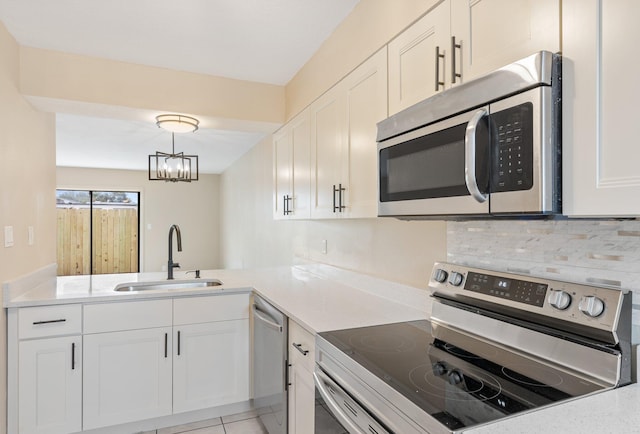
<point x="460" y="383"/>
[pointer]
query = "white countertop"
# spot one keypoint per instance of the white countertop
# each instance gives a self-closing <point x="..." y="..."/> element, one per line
<point x="317" y="297"/>
<point x="322" y="298"/>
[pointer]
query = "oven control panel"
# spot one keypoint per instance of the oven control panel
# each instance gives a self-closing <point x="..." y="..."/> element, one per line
<point x="597" y="307"/>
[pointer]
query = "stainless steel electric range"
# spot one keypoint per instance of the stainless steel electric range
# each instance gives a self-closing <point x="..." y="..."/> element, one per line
<point x="497" y="344"/>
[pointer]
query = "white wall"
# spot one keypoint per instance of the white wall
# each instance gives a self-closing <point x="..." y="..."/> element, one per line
<point x="194" y="207"/>
<point x="27" y="180"/>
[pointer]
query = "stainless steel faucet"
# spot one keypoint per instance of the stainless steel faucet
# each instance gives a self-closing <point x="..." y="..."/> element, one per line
<point x="171" y="265"/>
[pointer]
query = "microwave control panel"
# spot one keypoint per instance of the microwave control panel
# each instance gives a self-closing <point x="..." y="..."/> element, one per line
<point x="512" y="131"/>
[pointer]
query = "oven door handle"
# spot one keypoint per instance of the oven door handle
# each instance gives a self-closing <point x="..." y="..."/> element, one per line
<point x="320" y="379"/>
<point x="470" y="157"/>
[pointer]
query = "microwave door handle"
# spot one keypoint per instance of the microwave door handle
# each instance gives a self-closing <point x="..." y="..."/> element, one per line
<point x="470" y="157"/>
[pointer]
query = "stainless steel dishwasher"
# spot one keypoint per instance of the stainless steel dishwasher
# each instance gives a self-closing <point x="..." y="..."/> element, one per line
<point x="269" y="365"/>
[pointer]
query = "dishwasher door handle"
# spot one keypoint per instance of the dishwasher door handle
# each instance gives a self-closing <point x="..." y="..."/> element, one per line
<point x="264" y="318"/>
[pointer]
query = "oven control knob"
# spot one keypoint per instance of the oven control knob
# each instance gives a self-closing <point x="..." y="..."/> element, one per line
<point x="559" y="299"/>
<point x="439" y="369"/>
<point x="455" y="377"/>
<point x="591" y="306"/>
<point x="440" y="275"/>
<point x="455" y="278"/>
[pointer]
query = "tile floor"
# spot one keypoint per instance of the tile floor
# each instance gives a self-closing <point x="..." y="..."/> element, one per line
<point x="242" y="423"/>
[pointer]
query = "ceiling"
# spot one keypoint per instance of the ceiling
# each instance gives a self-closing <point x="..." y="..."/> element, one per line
<point x="265" y="41"/>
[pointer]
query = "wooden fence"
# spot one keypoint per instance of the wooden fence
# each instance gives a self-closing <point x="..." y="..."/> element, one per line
<point x="115" y="241"/>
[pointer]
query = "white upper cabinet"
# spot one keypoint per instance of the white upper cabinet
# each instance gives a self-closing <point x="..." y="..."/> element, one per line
<point x="494" y="33"/>
<point x="327" y="143"/>
<point x="291" y="169"/>
<point x="366" y="99"/>
<point x="343" y="142"/>
<point x="414" y="56"/>
<point x="600" y="157"/>
<point x="460" y="40"/>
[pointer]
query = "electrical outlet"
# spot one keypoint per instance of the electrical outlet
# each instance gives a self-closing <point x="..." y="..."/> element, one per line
<point x="324" y="247"/>
<point x="31" y="235"/>
<point x="8" y="236"/>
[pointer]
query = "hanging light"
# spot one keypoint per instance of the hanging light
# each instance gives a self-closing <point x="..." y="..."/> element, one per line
<point x="177" y="123"/>
<point x="173" y="167"/>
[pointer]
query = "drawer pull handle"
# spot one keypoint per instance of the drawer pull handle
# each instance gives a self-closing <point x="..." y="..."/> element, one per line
<point x="166" y="338"/>
<point x="299" y="348"/>
<point x="51" y="321"/>
<point x="73" y="356"/>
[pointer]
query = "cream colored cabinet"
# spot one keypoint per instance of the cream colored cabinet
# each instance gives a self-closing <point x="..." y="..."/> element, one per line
<point x="327" y="143"/>
<point x="461" y="40"/>
<point x="419" y="59"/>
<point x="127" y="376"/>
<point x="291" y="169"/>
<point x="494" y="33"/>
<point x="50" y="390"/>
<point x="601" y="175"/>
<point x="301" y="387"/>
<point x="49" y="371"/>
<point x="210" y="359"/>
<point x="127" y="362"/>
<point x="343" y="142"/>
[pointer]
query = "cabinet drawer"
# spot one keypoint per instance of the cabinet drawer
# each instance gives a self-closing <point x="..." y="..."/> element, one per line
<point x="195" y="310"/>
<point x="112" y="317"/>
<point x="305" y="341"/>
<point x="44" y="321"/>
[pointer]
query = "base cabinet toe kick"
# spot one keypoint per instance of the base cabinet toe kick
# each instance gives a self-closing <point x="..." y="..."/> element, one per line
<point x="127" y="365"/>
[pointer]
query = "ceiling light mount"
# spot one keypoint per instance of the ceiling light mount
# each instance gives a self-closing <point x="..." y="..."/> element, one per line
<point x="177" y="123"/>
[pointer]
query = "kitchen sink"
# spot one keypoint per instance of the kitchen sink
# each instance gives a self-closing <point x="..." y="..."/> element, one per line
<point x="167" y="285"/>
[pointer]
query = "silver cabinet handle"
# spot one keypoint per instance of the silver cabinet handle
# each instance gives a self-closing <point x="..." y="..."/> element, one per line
<point x="299" y="348"/>
<point x="470" y="157"/>
<point x="438" y="57"/>
<point x="321" y="381"/>
<point x="455" y="74"/>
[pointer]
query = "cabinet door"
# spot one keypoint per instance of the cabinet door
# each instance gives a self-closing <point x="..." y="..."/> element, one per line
<point x="601" y="175"/>
<point x="412" y="59"/>
<point x="494" y="33"/>
<point x="301" y="400"/>
<point x="301" y="181"/>
<point x="327" y="141"/>
<point x="211" y="365"/>
<point x="282" y="165"/>
<point x="127" y="376"/>
<point x="50" y="385"/>
<point x="366" y="93"/>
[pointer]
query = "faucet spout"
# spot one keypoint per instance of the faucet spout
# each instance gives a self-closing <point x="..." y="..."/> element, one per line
<point x="170" y="264"/>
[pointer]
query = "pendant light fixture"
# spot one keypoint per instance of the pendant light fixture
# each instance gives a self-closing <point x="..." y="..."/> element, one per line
<point x="174" y="167"/>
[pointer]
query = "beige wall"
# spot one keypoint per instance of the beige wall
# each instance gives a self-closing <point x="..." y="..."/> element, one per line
<point x="387" y="248"/>
<point x="216" y="101"/>
<point x="27" y="180"/>
<point x="194" y="207"/>
<point x="371" y="24"/>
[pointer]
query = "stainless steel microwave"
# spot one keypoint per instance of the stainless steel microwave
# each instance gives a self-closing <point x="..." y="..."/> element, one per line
<point x="487" y="147"/>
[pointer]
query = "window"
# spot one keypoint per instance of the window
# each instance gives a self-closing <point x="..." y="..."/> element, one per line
<point x="97" y="232"/>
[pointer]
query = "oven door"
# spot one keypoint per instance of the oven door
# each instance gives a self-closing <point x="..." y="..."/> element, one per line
<point x="338" y="412"/>
<point x="440" y="169"/>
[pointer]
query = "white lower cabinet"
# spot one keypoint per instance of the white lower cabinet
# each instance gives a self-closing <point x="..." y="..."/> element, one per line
<point x="210" y="365"/>
<point x="301" y="387"/>
<point x="127" y="376"/>
<point x="84" y="367"/>
<point x="50" y="385"/>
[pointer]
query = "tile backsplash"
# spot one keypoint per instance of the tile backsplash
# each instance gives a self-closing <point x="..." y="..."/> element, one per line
<point x="595" y="252"/>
